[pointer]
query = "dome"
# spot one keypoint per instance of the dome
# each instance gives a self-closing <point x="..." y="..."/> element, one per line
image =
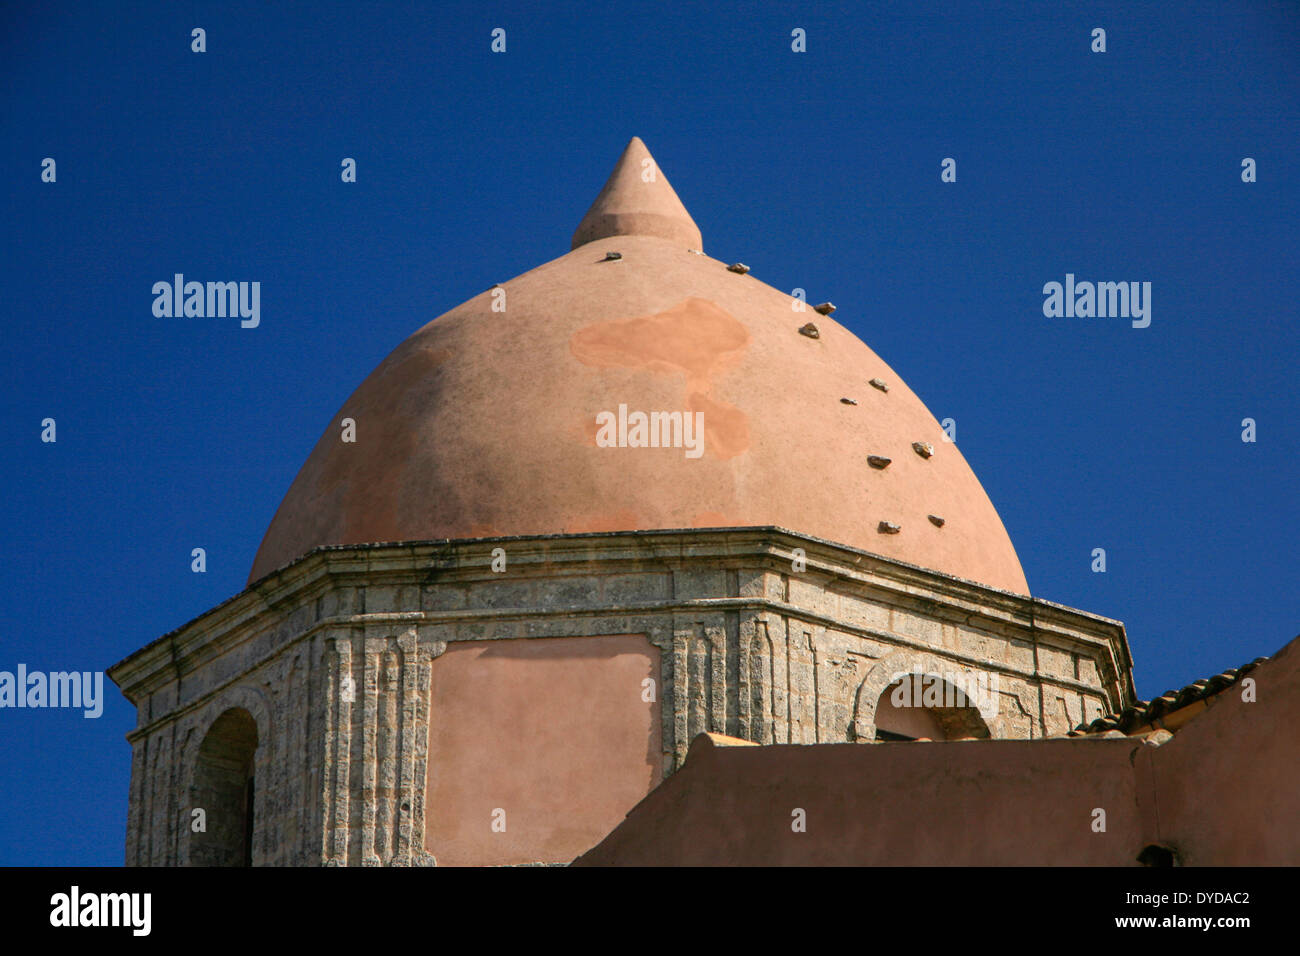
<point x="531" y="418"/>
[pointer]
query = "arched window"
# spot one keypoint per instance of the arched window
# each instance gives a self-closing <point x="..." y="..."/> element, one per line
<point x="223" y="789"/>
<point x="923" y="705"/>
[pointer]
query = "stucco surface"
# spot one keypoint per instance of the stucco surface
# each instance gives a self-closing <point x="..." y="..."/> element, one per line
<point x="966" y="803"/>
<point x="537" y="748"/>
<point x="1227" y="786"/>
<point x="485" y="422"/>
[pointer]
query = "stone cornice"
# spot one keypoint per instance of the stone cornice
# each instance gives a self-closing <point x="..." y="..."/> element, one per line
<point x="897" y="583"/>
<point x="398" y="619"/>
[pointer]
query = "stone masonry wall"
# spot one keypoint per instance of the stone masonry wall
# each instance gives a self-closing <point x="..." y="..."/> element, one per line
<point x="331" y="657"/>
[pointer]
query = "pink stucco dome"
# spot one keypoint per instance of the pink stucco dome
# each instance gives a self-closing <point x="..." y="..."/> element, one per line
<point x="485" y="423"/>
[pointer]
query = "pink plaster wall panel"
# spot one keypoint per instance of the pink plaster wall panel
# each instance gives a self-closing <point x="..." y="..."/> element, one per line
<point x="553" y="731"/>
<point x="1227" y="786"/>
<point x="969" y="803"/>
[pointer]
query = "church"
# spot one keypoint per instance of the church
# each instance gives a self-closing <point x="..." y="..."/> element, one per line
<point x="487" y="626"/>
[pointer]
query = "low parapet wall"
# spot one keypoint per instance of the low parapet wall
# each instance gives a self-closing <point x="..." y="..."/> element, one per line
<point x="1225" y="790"/>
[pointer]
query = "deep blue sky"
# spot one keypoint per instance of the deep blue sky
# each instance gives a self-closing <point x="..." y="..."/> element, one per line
<point x="819" y="170"/>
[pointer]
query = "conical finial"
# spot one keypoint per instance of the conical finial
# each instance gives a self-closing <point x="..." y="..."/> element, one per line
<point x="637" y="201"/>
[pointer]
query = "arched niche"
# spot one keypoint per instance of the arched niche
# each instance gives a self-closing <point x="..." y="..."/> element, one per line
<point x="224" y="788"/>
<point x="934" y="697"/>
<point x="926" y="706"/>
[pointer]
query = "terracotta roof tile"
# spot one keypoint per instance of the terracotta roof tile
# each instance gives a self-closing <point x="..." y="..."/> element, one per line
<point x="1146" y="711"/>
